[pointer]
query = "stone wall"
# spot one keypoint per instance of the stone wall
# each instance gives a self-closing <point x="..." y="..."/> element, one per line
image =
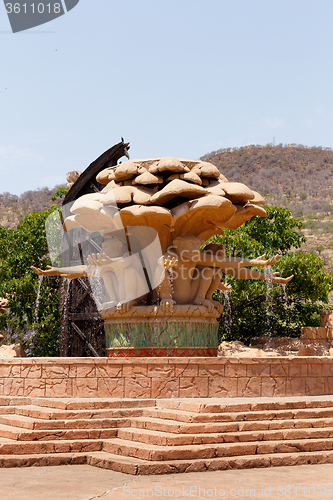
<point x="166" y="377"/>
<point x="316" y="334"/>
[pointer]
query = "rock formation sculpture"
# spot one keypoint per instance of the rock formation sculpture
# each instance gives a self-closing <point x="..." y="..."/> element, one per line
<point x="175" y="197"/>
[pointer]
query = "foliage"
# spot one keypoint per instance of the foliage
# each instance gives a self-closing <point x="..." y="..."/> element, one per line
<point x="276" y="233"/>
<point x="21" y="247"/>
<point x="311" y="224"/>
<point x="257" y="307"/>
<point x="60" y="193"/>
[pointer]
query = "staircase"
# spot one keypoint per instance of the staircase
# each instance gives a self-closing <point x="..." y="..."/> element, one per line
<point x="147" y="436"/>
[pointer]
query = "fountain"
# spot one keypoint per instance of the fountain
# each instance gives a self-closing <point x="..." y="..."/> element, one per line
<point x="157" y="276"/>
<point x="138" y="246"/>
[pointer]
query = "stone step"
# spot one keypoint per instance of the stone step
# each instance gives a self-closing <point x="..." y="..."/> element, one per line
<point x="214" y="405"/>
<point x="42" y="460"/>
<point x="54" y="414"/>
<point x="5" y="440"/>
<point x="168" y="439"/>
<point x="135" y="466"/>
<point x="176" y="427"/>
<point x="42" y="424"/>
<point x="12" y="400"/>
<point x="187" y="416"/>
<point x="7" y="410"/>
<point x="165" y="436"/>
<point x="17" y="421"/>
<point x="197" y="405"/>
<point x="189" y="452"/>
<point x="52" y="430"/>
<point x="17" y="434"/>
<point x="91" y="403"/>
<point x="46" y="447"/>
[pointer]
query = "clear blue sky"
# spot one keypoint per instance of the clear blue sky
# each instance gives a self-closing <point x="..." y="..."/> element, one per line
<point x="174" y="77"/>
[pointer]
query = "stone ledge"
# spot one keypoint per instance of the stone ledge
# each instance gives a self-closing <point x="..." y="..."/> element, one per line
<point x="278" y="360"/>
<point x="166" y="377"/>
<point x="185" y="312"/>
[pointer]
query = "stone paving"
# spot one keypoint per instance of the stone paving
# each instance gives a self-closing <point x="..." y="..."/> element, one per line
<point x="81" y="482"/>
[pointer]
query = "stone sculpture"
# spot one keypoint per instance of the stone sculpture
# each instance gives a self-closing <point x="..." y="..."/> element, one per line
<point x="72" y="177"/>
<point x="122" y="274"/>
<point x="195" y="274"/>
<point x="165" y="296"/>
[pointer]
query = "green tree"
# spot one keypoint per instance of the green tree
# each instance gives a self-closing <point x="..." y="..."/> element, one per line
<point x="276" y="233"/>
<point x="256" y="307"/>
<point x="21" y="247"/>
<point x="60" y="193"/>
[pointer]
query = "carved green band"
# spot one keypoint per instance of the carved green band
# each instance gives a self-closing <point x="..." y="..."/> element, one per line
<point x="161" y="333"/>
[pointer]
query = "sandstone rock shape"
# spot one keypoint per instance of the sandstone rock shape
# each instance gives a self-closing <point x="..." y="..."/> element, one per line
<point x="168" y="164"/>
<point x="107" y="175"/>
<point x="176" y="188"/>
<point x="243" y="214"/>
<point x="12" y="351"/>
<point x="237" y="192"/>
<point x="258" y="199"/>
<point x="181" y="179"/>
<point x="72" y="177"/>
<point x="147" y="178"/>
<point x="203" y="217"/>
<point x="192" y="177"/>
<point x="207" y="169"/>
<point x="126" y="170"/>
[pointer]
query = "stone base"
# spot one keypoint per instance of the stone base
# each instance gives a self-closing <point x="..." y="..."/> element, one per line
<point x="322" y="333"/>
<point x="326" y="318"/>
<point x="148" y="331"/>
<point x="166" y="377"/>
<point x="315" y="334"/>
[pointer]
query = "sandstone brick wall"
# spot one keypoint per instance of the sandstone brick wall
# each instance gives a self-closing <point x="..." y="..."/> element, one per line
<point x="315" y="334"/>
<point x="166" y="377"/>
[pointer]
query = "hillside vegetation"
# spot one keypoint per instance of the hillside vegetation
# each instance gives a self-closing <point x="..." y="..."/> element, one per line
<point x="292" y="176"/>
<point x="13" y="209"/>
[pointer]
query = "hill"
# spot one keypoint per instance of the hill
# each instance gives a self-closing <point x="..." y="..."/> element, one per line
<point x="13" y="209"/>
<point x="298" y="177"/>
<point x="292" y="176"/>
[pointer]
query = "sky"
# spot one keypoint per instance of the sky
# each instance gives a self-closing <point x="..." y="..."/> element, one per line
<point x="173" y="77"/>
